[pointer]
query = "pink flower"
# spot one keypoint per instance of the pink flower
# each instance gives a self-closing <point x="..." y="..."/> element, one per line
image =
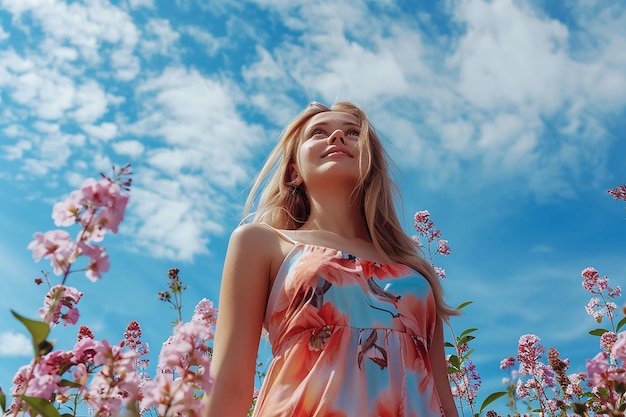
<point x="56" y="245"/>
<point x="592" y="281"/>
<point x="443" y="248"/>
<point x="507" y="363"/>
<point x="422" y="216"/>
<point x="591" y="305"/>
<point x="619" y="347"/>
<point x="107" y="196"/>
<point x="597" y="369"/>
<point x="607" y="340"/>
<point x="98" y="260"/>
<point x="57" y="298"/>
<point x="529" y="351"/>
<point x="66" y="213"/>
<point x="116" y="383"/>
<point x="85" y="349"/>
<point x="618" y="192"/>
<point x="205" y="312"/>
<point x="54" y="361"/>
<point x="441" y="273"/>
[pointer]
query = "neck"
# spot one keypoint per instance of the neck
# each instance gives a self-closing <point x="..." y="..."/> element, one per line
<point x="334" y="210"/>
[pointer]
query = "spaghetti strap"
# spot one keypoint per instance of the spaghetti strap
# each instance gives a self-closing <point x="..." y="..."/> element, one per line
<point x="281" y="234"/>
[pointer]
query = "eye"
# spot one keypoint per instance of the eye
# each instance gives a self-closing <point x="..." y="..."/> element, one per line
<point x="353" y="132"/>
<point x="317" y="132"/>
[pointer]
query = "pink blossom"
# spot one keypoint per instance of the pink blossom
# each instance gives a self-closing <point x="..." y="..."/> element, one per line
<point x="66" y="213"/>
<point x="507" y="363"/>
<point x="60" y="297"/>
<point x="607" y="340"/>
<point x="54" y="361"/>
<point x="85" y="349"/>
<point x="422" y="216"/>
<point x="107" y="196"/>
<point x="529" y="351"/>
<point x="56" y="245"/>
<point x="591" y="305"/>
<point x="618" y="192"/>
<point x="597" y="369"/>
<point x="205" y="312"/>
<point x="575" y="387"/>
<point x="98" y="260"/>
<point x="592" y="281"/>
<point x="619" y="347"/>
<point x="171" y="397"/>
<point x="443" y="248"/>
<point x="441" y="273"/>
<point x="116" y="383"/>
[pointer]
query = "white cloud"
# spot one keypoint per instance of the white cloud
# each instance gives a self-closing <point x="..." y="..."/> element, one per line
<point x="104" y="131"/>
<point x="131" y="148"/>
<point x="209" y="42"/>
<point x="15" y="344"/>
<point x="135" y="4"/>
<point x="200" y="153"/>
<point x="90" y="102"/>
<point x="509" y="55"/>
<point x="17" y="150"/>
<point x="485" y="99"/>
<point x="3" y="35"/>
<point x="159" y="38"/>
<point x="85" y="27"/>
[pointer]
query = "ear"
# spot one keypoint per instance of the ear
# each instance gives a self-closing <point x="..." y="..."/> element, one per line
<point x="294" y="176"/>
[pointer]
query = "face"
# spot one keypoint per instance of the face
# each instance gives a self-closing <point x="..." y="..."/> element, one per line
<point x="330" y="145"/>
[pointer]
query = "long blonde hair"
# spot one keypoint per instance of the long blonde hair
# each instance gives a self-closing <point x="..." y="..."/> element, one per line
<point x="283" y="206"/>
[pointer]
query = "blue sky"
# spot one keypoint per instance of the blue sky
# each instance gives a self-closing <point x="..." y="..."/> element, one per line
<point x="505" y="119"/>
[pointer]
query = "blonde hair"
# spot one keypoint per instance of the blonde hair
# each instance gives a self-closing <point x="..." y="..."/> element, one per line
<point x="283" y="206"/>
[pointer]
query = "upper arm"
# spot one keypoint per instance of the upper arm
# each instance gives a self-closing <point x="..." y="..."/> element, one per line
<point x="241" y="308"/>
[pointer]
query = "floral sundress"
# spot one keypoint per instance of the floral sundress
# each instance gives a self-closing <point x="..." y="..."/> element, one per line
<point x="349" y="337"/>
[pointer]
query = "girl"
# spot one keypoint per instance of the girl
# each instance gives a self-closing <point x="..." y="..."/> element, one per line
<point x="353" y="312"/>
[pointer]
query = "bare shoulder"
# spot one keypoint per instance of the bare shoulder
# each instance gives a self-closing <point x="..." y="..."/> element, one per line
<point x="254" y="239"/>
<point x="260" y="244"/>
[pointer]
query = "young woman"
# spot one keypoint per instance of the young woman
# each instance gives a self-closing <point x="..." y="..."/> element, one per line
<point x="353" y="312"/>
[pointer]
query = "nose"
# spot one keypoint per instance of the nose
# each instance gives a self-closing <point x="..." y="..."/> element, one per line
<point x="337" y="135"/>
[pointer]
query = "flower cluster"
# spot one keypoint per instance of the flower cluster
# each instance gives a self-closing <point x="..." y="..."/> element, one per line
<point x="98" y="206"/>
<point x="426" y="229"/>
<point x="618" y="192"/>
<point x="600" y="305"/>
<point x="464" y="377"/>
<point x="600" y="390"/>
<point x="607" y="378"/>
<point x="183" y="367"/>
<point x="113" y="381"/>
<point x="547" y="384"/>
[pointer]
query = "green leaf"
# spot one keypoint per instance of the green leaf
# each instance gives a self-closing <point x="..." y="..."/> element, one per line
<point x="68" y="383"/>
<point x="465" y="339"/>
<point x="597" y="332"/>
<point x="38" y="331"/>
<point x="463" y="305"/>
<point x="454" y="361"/>
<point x="3" y="401"/>
<point x="468" y="331"/>
<point x="448" y="345"/>
<point x="491" y="398"/>
<point x="621" y="324"/>
<point x="41" y="406"/>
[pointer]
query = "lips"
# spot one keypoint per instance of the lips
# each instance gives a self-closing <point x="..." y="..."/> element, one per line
<point x="336" y="150"/>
